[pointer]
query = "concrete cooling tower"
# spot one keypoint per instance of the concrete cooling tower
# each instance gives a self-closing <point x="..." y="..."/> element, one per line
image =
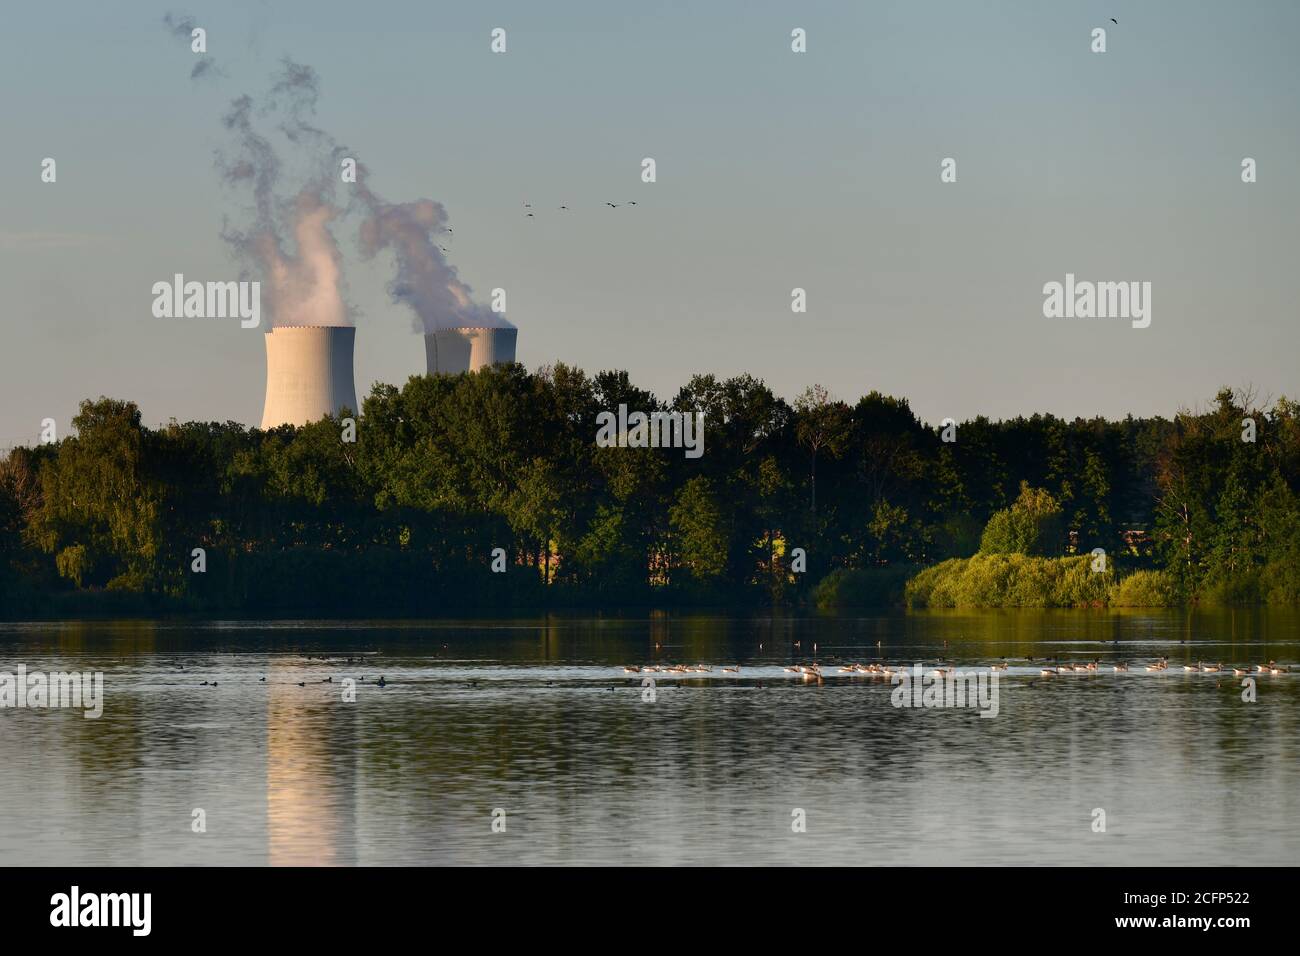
<point x="308" y="374"/>
<point x="449" y="351"/>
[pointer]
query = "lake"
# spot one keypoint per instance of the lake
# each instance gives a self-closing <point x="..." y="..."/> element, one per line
<point x="535" y="719"/>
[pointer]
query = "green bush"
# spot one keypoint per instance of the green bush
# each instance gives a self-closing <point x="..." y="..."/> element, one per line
<point x="1010" y="580"/>
<point x="1079" y="585"/>
<point x="1032" y="525"/>
<point x="1279" y="582"/>
<point x="921" y="588"/>
<point x="862" y="587"/>
<point x="1146" y="589"/>
<point x="1031" y="584"/>
<point x="129" y="581"/>
<point x="73" y="563"/>
<point x="1240" y="588"/>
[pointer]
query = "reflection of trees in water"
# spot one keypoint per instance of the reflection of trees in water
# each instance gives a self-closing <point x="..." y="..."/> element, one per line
<point x="106" y="749"/>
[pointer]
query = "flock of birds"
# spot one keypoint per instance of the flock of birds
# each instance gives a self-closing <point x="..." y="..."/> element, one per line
<point x="382" y="682"/>
<point x="677" y="669"/>
<point x="302" y="683"/>
<point x="611" y="205"/>
<point x="1200" y="667"/>
<point x="806" y="671"/>
<point x="814" y="672"/>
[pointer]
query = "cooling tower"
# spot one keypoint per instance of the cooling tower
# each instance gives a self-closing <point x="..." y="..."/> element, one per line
<point x="308" y="374"/>
<point x="449" y="351"/>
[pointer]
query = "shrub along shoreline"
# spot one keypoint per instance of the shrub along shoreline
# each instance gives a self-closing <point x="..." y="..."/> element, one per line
<point x="999" y="581"/>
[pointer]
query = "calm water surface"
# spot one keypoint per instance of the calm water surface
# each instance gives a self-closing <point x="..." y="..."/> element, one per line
<point x="536" y="716"/>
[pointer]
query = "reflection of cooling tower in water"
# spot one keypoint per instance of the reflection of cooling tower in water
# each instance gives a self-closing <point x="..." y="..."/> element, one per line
<point x="450" y="351"/>
<point x="308" y="374"/>
<point x="310" y="803"/>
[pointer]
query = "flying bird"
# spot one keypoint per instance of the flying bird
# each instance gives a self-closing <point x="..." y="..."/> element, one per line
<point x="612" y="205"/>
<point x="529" y="216"/>
<point x="631" y="204"/>
<point x="1114" y="21"/>
<point x="564" y="207"/>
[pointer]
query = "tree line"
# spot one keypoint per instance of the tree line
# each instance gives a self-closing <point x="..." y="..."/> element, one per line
<point x="406" y="518"/>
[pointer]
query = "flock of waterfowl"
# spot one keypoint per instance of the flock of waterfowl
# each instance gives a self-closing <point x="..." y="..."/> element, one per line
<point x="1200" y="667"/>
<point x="805" y="671"/>
<point x="677" y="669"/>
<point x="814" y="671"/>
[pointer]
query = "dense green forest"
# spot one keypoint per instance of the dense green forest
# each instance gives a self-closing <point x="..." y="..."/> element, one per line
<point x="405" y="518"/>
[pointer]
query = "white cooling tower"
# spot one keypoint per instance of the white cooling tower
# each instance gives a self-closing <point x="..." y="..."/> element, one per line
<point x="308" y="374"/>
<point x="449" y="351"/>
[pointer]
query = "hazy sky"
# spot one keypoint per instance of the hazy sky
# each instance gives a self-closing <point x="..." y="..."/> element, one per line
<point x="775" y="170"/>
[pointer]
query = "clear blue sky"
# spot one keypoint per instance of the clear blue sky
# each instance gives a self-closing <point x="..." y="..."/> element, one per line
<point x="775" y="170"/>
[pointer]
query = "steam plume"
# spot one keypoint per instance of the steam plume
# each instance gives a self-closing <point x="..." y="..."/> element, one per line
<point x="303" y="286"/>
<point x="425" y="281"/>
<point x="303" y="280"/>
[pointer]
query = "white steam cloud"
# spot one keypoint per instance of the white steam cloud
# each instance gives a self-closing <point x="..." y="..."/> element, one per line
<point x="302" y="280"/>
<point x="425" y="281"/>
<point x="288" y="242"/>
